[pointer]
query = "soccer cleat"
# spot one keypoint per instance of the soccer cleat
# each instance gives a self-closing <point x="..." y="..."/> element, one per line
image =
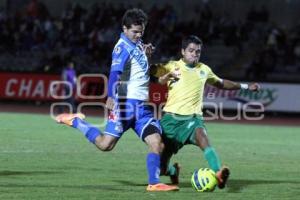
<point x="175" y="178"/>
<point x="67" y="118"/>
<point x="161" y="187"/>
<point x="222" y="176"/>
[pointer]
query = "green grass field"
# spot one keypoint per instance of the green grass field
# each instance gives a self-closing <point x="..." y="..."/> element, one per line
<point x="40" y="159"/>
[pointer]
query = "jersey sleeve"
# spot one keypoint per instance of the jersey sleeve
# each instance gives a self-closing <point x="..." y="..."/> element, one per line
<point x="212" y="78"/>
<point x="112" y="81"/>
<point x="119" y="58"/>
<point x="161" y="69"/>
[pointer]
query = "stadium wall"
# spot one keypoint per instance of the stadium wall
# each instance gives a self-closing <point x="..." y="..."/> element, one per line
<point x="272" y="97"/>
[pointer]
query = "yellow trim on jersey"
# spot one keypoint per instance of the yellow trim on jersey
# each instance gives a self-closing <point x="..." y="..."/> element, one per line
<point x="185" y="96"/>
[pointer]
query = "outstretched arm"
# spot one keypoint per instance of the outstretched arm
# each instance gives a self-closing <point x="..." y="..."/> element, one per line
<point x="231" y="85"/>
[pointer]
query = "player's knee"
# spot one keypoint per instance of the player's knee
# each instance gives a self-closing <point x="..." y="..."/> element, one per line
<point x="161" y="147"/>
<point x="106" y="148"/>
<point x="153" y="139"/>
<point x="150" y="130"/>
<point x="155" y="143"/>
<point x="106" y="143"/>
<point x="201" y="138"/>
<point x="158" y="147"/>
<point x="200" y="132"/>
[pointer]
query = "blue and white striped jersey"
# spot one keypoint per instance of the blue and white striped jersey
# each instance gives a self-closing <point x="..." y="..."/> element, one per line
<point x="130" y="59"/>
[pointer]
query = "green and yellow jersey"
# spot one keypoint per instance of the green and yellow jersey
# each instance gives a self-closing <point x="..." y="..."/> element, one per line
<point x="185" y="96"/>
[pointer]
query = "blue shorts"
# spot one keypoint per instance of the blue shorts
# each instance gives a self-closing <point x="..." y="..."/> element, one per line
<point x="133" y="114"/>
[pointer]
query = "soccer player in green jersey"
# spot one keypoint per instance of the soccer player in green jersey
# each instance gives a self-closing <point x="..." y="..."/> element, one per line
<point x="182" y="122"/>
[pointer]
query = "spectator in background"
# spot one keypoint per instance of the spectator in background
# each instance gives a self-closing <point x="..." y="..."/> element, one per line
<point x="69" y="76"/>
<point x="256" y="70"/>
<point x="32" y="9"/>
<point x="36" y="9"/>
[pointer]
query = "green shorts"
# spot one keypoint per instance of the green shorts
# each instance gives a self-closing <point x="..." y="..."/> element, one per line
<point x="179" y="130"/>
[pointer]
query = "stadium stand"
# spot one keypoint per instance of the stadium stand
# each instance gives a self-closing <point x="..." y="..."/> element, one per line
<point x="254" y="47"/>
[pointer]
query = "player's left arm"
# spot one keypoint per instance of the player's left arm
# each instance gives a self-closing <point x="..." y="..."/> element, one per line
<point x="225" y="84"/>
<point x="170" y="75"/>
<point x="160" y="73"/>
<point x="163" y="73"/>
<point x="149" y="49"/>
<point x="231" y="85"/>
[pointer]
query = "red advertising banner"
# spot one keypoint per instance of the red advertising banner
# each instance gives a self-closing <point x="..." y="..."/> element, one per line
<point x="93" y="87"/>
<point x="48" y="87"/>
<point x="158" y="93"/>
<point x="26" y="86"/>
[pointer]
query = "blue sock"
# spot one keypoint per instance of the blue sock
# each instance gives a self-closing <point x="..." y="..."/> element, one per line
<point x="87" y="129"/>
<point x="212" y="158"/>
<point x="153" y="167"/>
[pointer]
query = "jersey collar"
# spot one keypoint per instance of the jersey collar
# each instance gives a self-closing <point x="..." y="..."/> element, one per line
<point x="127" y="40"/>
<point x="187" y="65"/>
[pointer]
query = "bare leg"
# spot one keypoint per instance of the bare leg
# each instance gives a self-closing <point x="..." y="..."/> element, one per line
<point x="201" y="138"/>
<point x="209" y="152"/>
<point x="165" y="160"/>
<point x="106" y="142"/>
<point x="155" y="143"/>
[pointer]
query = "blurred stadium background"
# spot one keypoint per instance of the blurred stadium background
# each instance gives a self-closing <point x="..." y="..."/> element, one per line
<point x="243" y="41"/>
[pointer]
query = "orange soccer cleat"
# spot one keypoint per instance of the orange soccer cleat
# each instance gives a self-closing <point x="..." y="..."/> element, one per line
<point x="67" y="118"/>
<point x="222" y="176"/>
<point x="161" y="187"/>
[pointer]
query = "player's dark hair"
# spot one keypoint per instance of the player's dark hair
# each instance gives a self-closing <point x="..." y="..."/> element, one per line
<point x="134" y="16"/>
<point x="190" y="39"/>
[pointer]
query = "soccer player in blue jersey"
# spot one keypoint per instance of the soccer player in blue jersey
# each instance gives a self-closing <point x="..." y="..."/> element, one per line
<point x="128" y="89"/>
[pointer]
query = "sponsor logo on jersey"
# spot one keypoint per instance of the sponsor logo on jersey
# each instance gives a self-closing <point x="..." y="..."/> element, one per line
<point x="202" y="74"/>
<point x="117" y="50"/>
<point x="140" y="57"/>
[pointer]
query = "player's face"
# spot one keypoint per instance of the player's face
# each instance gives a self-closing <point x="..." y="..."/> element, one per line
<point x="191" y="54"/>
<point x="134" y="33"/>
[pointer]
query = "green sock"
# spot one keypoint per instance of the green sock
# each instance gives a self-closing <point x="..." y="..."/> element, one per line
<point x="171" y="170"/>
<point x="212" y="158"/>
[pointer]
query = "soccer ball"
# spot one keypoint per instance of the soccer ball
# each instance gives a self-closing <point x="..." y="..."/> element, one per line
<point x="204" y="180"/>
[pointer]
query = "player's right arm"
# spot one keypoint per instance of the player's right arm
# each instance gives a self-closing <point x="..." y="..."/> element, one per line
<point x="119" y="58"/>
<point x="170" y="75"/>
<point x="164" y="72"/>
